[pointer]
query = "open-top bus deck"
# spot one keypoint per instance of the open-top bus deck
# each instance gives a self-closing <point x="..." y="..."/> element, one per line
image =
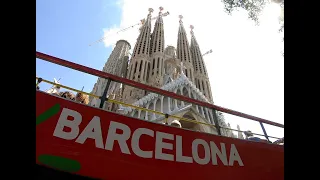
<point x="78" y="140"/>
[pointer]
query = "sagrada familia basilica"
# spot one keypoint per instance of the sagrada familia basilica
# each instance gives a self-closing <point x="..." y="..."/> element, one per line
<point x="180" y="70"/>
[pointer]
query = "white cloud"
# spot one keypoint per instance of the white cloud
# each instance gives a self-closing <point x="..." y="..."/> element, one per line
<point x="246" y="68"/>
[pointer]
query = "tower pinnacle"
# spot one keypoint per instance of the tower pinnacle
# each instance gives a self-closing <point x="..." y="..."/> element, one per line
<point x="183" y="51"/>
<point x="150" y="11"/>
<point x="139" y="63"/>
<point x="159" y="18"/>
<point x="180" y="17"/>
<point x="191" y="31"/>
<point x="157" y="53"/>
<point x="160" y="8"/>
<point x="193" y="38"/>
<point x="200" y="70"/>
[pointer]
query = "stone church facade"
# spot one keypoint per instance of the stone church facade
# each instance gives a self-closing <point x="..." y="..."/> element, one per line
<point x="180" y="70"/>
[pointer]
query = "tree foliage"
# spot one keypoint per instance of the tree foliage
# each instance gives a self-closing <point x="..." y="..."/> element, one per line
<point x="253" y="7"/>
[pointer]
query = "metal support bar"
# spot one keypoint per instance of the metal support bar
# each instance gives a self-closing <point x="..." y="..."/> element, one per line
<point x="216" y="123"/>
<point x="104" y="95"/>
<point x="40" y="80"/>
<point x="264" y="131"/>
<point x="166" y="116"/>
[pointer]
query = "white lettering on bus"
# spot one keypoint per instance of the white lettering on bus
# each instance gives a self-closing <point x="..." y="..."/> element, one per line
<point x="221" y="154"/>
<point x="234" y="156"/>
<point x="163" y="145"/>
<point x="136" y="139"/>
<point x="121" y="138"/>
<point x="72" y="119"/>
<point x="179" y="156"/>
<point x="64" y="122"/>
<point x="93" y="131"/>
<point x="195" y="154"/>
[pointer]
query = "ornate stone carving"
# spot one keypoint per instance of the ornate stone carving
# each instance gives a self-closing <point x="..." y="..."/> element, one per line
<point x="157" y="81"/>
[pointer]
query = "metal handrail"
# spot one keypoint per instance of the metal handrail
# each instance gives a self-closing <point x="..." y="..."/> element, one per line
<point x="66" y="87"/>
<point x="141" y="108"/>
<point x="125" y="81"/>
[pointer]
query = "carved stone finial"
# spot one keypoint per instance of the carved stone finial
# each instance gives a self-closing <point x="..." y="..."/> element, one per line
<point x="180" y="17"/>
<point x="191" y="31"/>
<point x="150" y="10"/>
<point x="160" y="12"/>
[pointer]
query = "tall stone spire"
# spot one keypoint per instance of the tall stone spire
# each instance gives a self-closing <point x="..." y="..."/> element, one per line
<point x="143" y="42"/>
<point x="183" y="51"/>
<point x="200" y="71"/>
<point x="157" y="53"/>
<point x="118" y="60"/>
<point x="117" y="65"/>
<point x="139" y="63"/>
<point x="157" y="36"/>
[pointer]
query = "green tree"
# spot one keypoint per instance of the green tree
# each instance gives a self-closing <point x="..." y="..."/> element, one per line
<point x="253" y="7"/>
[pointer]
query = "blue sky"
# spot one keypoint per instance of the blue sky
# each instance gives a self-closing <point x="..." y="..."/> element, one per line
<point x="65" y="29"/>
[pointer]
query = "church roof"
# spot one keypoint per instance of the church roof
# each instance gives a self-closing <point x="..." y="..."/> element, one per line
<point x="170" y="86"/>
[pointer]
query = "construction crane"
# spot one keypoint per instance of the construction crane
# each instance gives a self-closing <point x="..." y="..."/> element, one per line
<point x="208" y="52"/>
<point x="142" y="21"/>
